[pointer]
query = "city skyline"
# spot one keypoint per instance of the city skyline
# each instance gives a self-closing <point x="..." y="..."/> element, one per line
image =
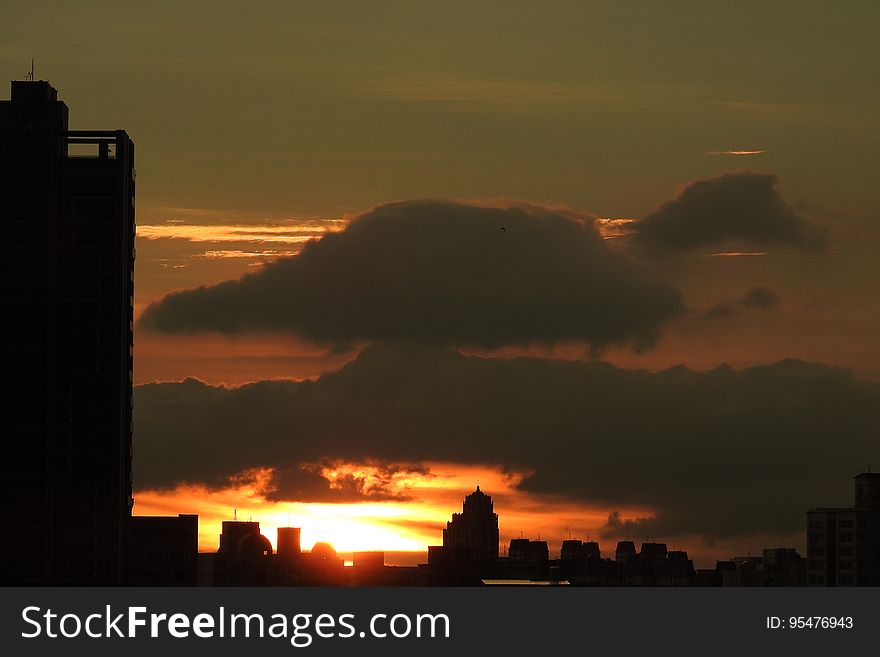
<point x="841" y="551"/>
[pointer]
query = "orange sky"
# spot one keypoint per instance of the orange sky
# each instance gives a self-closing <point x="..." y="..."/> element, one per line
<point x="411" y="523"/>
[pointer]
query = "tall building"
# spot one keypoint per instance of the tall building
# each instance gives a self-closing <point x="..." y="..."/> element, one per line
<point x="66" y="293"/>
<point x="843" y="544"/>
<point x="475" y="529"/>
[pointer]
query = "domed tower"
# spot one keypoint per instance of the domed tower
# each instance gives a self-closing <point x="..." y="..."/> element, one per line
<point x="475" y="528"/>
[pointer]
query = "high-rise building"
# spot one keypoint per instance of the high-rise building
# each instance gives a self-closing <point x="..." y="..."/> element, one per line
<point x="475" y="529"/>
<point x="843" y="544"/>
<point x="66" y="293"/>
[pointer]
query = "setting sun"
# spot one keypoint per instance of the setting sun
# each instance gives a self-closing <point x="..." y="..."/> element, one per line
<point x="412" y="515"/>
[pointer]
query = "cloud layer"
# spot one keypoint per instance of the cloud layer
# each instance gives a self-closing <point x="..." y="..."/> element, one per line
<point x="721" y="453"/>
<point x="441" y="273"/>
<point x="735" y="208"/>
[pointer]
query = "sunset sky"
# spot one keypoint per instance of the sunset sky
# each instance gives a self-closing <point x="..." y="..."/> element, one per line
<point x="673" y="337"/>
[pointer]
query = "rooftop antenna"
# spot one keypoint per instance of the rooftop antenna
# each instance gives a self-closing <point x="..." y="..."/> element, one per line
<point x="29" y="76"/>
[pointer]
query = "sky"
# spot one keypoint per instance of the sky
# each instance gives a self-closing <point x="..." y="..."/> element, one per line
<point x="673" y="336"/>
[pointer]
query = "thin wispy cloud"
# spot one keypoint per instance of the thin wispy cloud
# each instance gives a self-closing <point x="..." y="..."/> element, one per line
<point x="234" y="253"/>
<point x="737" y="152"/>
<point x="737" y="254"/>
<point x="286" y="233"/>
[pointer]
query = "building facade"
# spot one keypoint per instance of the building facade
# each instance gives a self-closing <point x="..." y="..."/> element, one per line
<point x="66" y="289"/>
<point x="843" y="544"/>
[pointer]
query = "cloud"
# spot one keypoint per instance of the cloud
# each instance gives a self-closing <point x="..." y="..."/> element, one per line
<point x="442" y="273"/>
<point x="733" y="209"/>
<point x="721" y="453"/>
<point x="756" y="298"/>
<point x="333" y="481"/>
<point x="737" y="152"/>
<point x="761" y="298"/>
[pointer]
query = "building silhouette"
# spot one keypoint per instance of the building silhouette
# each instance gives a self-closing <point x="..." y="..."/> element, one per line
<point x="470" y="545"/>
<point x="475" y="529"/>
<point x="775" y="567"/>
<point x="289" y="543"/>
<point x="573" y="549"/>
<point x="843" y="544"/>
<point x="626" y="551"/>
<point x="67" y="253"/>
<point x="245" y="558"/>
<point x="162" y="551"/>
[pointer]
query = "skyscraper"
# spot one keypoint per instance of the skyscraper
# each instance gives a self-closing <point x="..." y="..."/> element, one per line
<point x="66" y="293"/>
<point x="474" y="529"/>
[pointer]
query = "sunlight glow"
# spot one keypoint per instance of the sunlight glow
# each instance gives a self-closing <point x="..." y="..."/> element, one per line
<point x="404" y="508"/>
<point x="611" y="228"/>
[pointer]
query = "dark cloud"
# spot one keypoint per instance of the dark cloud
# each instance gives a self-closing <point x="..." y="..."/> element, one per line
<point x="721" y="453"/>
<point x="756" y="298"/>
<point x="308" y="482"/>
<point x="761" y="298"/>
<point x="442" y="273"/>
<point x="733" y="209"/>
